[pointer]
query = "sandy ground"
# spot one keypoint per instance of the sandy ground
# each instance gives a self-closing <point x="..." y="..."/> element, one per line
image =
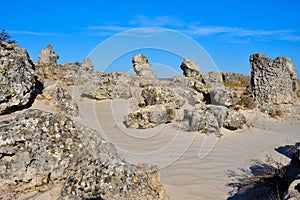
<point x="193" y="166"/>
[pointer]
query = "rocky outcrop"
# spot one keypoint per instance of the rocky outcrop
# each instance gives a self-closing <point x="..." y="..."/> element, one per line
<point x="211" y="118"/>
<point x="39" y="150"/>
<point x="150" y="116"/>
<point x="18" y="82"/>
<point x="141" y="66"/>
<point x="190" y="68"/>
<point x="86" y="66"/>
<point x="64" y="101"/>
<point x="115" y="85"/>
<point x="69" y="73"/>
<point x="48" y="57"/>
<point x="273" y="81"/>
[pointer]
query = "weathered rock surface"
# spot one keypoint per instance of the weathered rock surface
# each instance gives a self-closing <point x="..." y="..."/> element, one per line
<point x="18" y="82"/>
<point x="162" y="95"/>
<point x="48" y="56"/>
<point x="86" y="66"/>
<point x="150" y="116"/>
<point x="224" y="97"/>
<point x="190" y="68"/>
<point x="39" y="150"/>
<point x="115" y="85"/>
<point x="69" y="73"/>
<point x="141" y="66"/>
<point x="236" y="79"/>
<point x="211" y="118"/>
<point x="64" y="101"/>
<point x="273" y="81"/>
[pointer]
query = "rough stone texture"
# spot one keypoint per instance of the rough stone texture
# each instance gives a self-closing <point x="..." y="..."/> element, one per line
<point x="150" y="116"/>
<point x="195" y="83"/>
<point x="17" y="77"/>
<point x="64" y="101"/>
<point x="39" y="150"/>
<point x="223" y="96"/>
<point x="113" y="85"/>
<point x="234" y="120"/>
<point x="48" y="56"/>
<point x="273" y="81"/>
<point x="211" y="118"/>
<point x="161" y="95"/>
<point x="236" y="79"/>
<point x="190" y="68"/>
<point x="87" y="66"/>
<point x="294" y="190"/>
<point x="141" y="66"/>
<point x="70" y="73"/>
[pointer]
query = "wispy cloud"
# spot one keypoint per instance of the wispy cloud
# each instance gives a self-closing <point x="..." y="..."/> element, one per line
<point x="196" y="29"/>
<point x="110" y="28"/>
<point x="24" y="32"/>
<point x="156" y="21"/>
<point x="233" y="33"/>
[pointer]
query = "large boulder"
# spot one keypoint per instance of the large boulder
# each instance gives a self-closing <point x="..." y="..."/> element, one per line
<point x="48" y="56"/>
<point x="223" y="96"/>
<point x="39" y="150"/>
<point x="102" y="86"/>
<point x="190" y="68"/>
<point x="212" y="117"/>
<point x="162" y="95"/>
<point x="273" y="81"/>
<point x="18" y="82"/>
<point x="150" y="116"/>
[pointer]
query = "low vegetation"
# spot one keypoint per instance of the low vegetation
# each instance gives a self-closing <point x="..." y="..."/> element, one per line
<point x="268" y="180"/>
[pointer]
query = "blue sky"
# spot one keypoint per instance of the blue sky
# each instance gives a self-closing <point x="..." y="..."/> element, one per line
<point x="228" y="30"/>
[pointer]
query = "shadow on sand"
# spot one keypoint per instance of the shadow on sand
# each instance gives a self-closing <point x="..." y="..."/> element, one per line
<point x="264" y="181"/>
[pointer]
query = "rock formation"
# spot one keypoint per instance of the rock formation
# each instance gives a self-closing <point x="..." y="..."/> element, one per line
<point x="115" y="85"/>
<point x="236" y="79"/>
<point x="69" y="73"/>
<point x="190" y="68"/>
<point x="183" y="100"/>
<point x="48" y="57"/>
<point x="211" y="118"/>
<point x="273" y="81"/>
<point x="64" y="101"/>
<point x="87" y="66"/>
<point x="39" y="150"/>
<point x="141" y="66"/>
<point x="18" y="82"/>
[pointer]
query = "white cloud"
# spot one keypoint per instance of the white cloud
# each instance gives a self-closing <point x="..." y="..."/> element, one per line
<point x="157" y="21"/>
<point x="196" y="29"/>
<point x="23" y="32"/>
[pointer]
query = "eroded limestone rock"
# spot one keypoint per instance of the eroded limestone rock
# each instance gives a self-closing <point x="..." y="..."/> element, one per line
<point x="48" y="56"/>
<point x="273" y="81"/>
<point x="39" y="150"/>
<point x="18" y="82"/>
<point x="141" y="66"/>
